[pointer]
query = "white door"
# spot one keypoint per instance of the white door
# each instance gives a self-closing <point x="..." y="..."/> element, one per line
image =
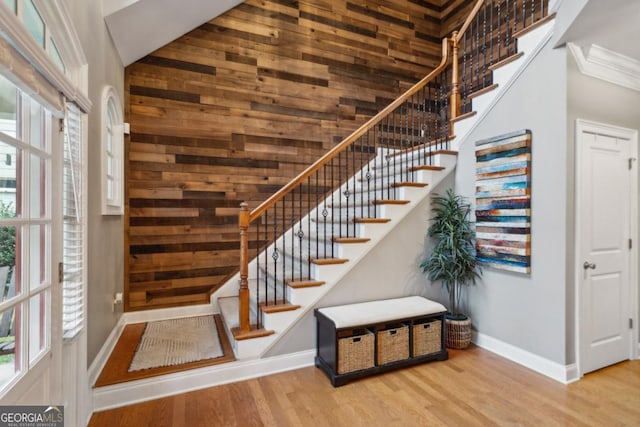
<point x="606" y="201"/>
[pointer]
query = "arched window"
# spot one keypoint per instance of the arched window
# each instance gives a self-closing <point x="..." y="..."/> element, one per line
<point x="112" y="153"/>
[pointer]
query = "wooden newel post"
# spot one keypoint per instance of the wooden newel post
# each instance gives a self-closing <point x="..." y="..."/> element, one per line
<point x="243" y="294"/>
<point x="455" y="79"/>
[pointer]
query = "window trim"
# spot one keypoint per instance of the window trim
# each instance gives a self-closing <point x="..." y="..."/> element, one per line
<point x="14" y="32"/>
<point x="111" y="105"/>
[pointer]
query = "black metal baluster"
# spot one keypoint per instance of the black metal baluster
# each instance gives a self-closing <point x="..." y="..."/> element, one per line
<point x="308" y="221"/>
<point x="317" y="205"/>
<point x="484" y="47"/>
<point x="491" y="35"/>
<point x="259" y="247"/>
<point x="533" y="12"/>
<point x="499" y="42"/>
<point x="325" y="212"/>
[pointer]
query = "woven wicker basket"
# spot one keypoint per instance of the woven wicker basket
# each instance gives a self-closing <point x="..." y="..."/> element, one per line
<point x="427" y="337"/>
<point x="355" y="352"/>
<point x="458" y="333"/>
<point x="393" y="343"/>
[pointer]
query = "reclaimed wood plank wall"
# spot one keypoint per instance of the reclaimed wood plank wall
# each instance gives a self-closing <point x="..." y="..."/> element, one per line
<point x="233" y="110"/>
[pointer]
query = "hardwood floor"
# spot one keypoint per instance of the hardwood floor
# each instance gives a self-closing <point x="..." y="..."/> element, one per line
<point x="473" y="388"/>
<point x="116" y="371"/>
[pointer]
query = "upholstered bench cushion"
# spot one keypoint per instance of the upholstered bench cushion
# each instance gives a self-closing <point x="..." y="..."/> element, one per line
<point x="350" y="315"/>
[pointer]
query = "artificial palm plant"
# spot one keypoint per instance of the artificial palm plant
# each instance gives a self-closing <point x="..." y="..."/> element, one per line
<point x="453" y="259"/>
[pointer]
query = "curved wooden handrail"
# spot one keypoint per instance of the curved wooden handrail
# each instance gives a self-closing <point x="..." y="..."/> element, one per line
<point x="467" y="22"/>
<point x="258" y="211"/>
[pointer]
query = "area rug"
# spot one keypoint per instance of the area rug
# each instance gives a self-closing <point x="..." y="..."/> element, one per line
<point x="177" y="341"/>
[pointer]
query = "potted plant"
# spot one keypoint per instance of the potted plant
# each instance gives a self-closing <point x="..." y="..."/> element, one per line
<point x="453" y="260"/>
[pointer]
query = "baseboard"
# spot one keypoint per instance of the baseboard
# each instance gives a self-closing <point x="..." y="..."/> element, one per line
<point x="549" y="368"/>
<point x="103" y="355"/>
<point x="181" y="382"/>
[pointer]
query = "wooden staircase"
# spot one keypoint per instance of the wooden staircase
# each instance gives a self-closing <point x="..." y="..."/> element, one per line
<point x="296" y="265"/>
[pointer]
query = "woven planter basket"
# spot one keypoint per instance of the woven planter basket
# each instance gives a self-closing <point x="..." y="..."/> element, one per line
<point x="458" y="333"/>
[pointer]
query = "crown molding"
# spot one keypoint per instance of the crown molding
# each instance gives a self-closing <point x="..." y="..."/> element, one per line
<point x="604" y="64"/>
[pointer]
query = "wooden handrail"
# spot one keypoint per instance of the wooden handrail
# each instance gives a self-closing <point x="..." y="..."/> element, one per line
<point x="258" y="211"/>
<point x="467" y="22"/>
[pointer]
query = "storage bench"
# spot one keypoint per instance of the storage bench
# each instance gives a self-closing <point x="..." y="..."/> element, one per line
<point x="357" y="340"/>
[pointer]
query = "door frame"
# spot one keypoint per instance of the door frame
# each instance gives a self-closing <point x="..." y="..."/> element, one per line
<point x="581" y="126"/>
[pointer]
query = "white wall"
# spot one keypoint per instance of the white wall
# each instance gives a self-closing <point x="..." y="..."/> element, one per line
<point x="525" y="311"/>
<point x="105" y="234"/>
<point x="528" y="311"/>
<point x="597" y="100"/>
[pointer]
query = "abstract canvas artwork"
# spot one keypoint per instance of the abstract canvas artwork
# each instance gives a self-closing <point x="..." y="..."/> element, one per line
<point x="503" y="201"/>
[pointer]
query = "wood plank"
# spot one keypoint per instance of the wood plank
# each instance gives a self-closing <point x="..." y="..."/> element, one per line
<point x="234" y="109"/>
<point x="467" y="389"/>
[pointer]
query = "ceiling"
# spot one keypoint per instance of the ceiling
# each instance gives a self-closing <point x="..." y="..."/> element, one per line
<point x="611" y="24"/>
<point x="138" y="27"/>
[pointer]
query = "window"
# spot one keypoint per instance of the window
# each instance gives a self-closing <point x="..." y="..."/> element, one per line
<point x="72" y="227"/>
<point x="25" y="231"/>
<point x="112" y="153"/>
<point x="34" y="22"/>
<point x="12" y="4"/>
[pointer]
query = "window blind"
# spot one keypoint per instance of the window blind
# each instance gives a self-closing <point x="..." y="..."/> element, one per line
<point x="72" y="227"/>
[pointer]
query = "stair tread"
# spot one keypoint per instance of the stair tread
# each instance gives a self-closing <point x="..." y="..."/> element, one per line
<point x="328" y="261"/>
<point x="483" y="91"/>
<point x="297" y="284"/>
<point x="278" y="307"/>
<point x="417" y="148"/>
<point x="540" y="22"/>
<point x="391" y="202"/>
<point x="409" y="184"/>
<point x="254" y="332"/>
<point x="350" y="239"/>
<point x="505" y="61"/>
<point x="463" y="116"/>
<point x="371" y="220"/>
<point x="426" y="168"/>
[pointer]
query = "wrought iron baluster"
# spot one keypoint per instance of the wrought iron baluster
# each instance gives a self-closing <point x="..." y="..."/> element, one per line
<point x="491" y="34"/>
<point x="259" y="248"/>
<point x="499" y="42"/>
<point x="484" y="47"/>
<point x="317" y="205"/>
<point x="308" y="223"/>
<point x="533" y="12"/>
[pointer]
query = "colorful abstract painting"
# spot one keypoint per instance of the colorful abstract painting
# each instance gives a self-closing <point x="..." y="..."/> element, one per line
<point x="503" y="201"/>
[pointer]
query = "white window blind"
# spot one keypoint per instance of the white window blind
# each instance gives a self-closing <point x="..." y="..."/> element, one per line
<point x="72" y="228"/>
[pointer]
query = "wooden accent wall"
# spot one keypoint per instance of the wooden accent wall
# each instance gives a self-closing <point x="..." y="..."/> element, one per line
<point x="233" y="110"/>
<point x="454" y="13"/>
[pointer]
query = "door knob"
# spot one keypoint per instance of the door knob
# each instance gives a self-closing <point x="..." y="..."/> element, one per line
<point x="588" y="265"/>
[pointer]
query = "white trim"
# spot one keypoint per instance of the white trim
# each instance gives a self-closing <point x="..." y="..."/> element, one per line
<point x="15" y="33"/>
<point x="554" y="370"/>
<point x="115" y="205"/>
<point x="103" y="355"/>
<point x="607" y="65"/>
<point x="582" y="125"/>
<point x="181" y="382"/>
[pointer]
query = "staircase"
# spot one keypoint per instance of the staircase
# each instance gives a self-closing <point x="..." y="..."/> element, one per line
<point x="302" y="241"/>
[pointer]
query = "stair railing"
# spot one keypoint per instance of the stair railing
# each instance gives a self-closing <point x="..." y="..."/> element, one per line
<point x="296" y="228"/>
